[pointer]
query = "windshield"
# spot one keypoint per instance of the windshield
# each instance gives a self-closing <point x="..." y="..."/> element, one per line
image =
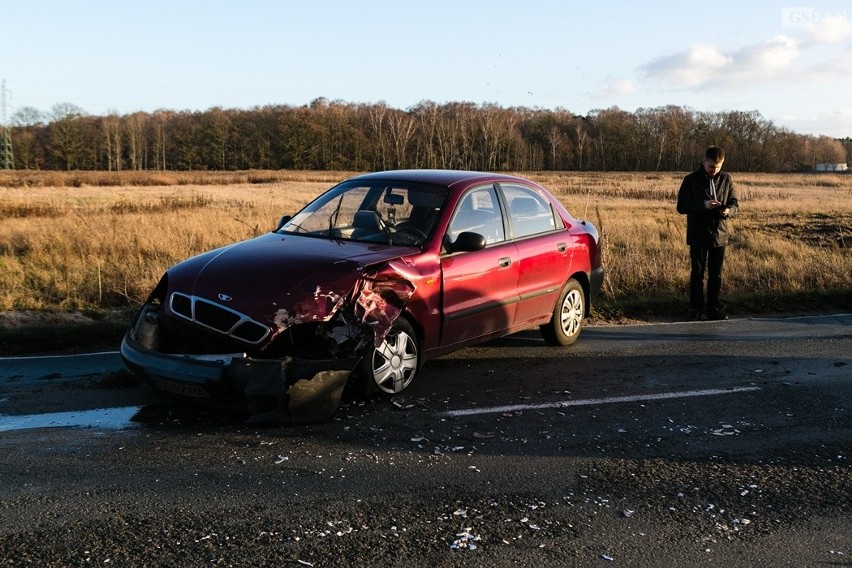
<point x="390" y="213"/>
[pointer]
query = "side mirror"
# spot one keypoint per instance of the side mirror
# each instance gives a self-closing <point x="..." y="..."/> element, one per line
<point x="282" y="221"/>
<point x="468" y="242"/>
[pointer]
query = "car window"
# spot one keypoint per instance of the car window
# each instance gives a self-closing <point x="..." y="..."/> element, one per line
<point x="530" y="213"/>
<point x="322" y="216"/>
<point x="478" y="212"/>
<point x="378" y="212"/>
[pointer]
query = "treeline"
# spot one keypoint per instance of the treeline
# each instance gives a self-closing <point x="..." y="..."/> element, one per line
<point x="335" y="135"/>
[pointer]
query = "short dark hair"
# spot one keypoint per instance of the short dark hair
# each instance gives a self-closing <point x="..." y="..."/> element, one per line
<point x="715" y="153"/>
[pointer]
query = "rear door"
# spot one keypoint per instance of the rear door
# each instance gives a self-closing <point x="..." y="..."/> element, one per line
<point x="479" y="287"/>
<point x="544" y="251"/>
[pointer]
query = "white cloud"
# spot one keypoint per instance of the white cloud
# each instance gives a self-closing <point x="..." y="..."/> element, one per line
<point x="830" y="29"/>
<point x="837" y="68"/>
<point x="688" y="68"/>
<point x="703" y="66"/>
<point x="777" y="54"/>
<point x="617" y="88"/>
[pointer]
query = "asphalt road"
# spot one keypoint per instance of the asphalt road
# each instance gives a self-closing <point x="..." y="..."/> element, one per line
<point x="681" y="444"/>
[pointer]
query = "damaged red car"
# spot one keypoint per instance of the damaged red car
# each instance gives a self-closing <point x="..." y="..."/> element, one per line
<point x="375" y="276"/>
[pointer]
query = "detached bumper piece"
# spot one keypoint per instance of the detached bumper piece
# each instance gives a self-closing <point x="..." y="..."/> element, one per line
<point x="305" y="392"/>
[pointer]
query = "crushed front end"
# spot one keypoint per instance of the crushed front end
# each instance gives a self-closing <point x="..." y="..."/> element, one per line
<point x="291" y="368"/>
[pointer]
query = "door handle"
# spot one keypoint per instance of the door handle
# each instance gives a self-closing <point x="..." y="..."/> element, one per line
<point x="561" y="247"/>
<point x="504" y="262"/>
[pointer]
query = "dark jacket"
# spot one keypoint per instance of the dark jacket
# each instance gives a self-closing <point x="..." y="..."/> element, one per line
<point x="705" y="227"/>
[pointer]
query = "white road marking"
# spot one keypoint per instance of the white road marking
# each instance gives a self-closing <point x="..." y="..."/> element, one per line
<point x="745" y="318"/>
<point x="815" y="316"/>
<point x="104" y="418"/>
<point x="68" y="356"/>
<point x="592" y="401"/>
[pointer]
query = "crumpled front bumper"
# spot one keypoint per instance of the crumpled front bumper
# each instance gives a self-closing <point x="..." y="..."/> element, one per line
<point x="295" y="391"/>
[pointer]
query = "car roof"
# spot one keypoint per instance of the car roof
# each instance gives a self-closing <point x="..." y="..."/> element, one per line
<point x="446" y="178"/>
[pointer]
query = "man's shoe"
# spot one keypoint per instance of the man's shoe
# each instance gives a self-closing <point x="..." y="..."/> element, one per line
<point x="694" y="315"/>
<point x="717" y="315"/>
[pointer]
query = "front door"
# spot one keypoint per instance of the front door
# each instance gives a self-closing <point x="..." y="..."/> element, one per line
<point x="479" y="287"/>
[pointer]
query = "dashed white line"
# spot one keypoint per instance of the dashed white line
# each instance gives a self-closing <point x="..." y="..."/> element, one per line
<point x="593" y="401"/>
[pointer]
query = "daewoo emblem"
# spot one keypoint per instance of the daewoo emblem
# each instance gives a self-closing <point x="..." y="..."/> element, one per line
<point x="225" y="297"/>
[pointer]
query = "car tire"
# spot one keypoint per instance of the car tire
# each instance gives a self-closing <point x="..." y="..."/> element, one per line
<point x="390" y="367"/>
<point x="568" y="316"/>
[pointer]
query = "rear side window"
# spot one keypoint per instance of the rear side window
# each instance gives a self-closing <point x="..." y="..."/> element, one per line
<point x="529" y="212"/>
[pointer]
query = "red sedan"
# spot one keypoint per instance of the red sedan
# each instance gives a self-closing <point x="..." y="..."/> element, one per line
<point x="372" y="278"/>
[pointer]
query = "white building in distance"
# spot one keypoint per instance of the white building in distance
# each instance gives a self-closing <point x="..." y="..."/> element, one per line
<point x="840" y="167"/>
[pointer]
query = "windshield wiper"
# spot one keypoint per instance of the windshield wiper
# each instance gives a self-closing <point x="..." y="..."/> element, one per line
<point x="293" y="228"/>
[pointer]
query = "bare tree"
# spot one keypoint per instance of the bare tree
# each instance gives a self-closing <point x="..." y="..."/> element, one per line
<point x="111" y="128"/>
<point x="27" y="116"/>
<point x="377" y="115"/>
<point x="428" y="115"/>
<point x="218" y="125"/>
<point x="136" y="141"/>
<point x="66" y="140"/>
<point x="402" y="126"/>
<point x="582" y="141"/>
<point x="159" y="122"/>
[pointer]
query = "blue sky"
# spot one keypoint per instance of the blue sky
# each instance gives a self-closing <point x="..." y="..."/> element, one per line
<point x="791" y="61"/>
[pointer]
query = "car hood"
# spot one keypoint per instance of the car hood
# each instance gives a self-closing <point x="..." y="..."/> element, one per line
<point x="280" y="279"/>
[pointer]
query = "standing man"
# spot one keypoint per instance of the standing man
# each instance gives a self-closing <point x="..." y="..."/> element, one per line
<point x="708" y="199"/>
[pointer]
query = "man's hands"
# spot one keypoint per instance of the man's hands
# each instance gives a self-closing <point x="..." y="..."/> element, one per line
<point x="723" y="211"/>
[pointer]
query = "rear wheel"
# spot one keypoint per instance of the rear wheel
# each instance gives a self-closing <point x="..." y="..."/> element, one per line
<point x="392" y="365"/>
<point x="568" y="316"/>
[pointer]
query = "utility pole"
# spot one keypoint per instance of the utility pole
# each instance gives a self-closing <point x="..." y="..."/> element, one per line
<point x="7" y="158"/>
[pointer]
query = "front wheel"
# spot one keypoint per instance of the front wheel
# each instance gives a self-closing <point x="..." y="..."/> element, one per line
<point x="568" y="316"/>
<point x="391" y="366"/>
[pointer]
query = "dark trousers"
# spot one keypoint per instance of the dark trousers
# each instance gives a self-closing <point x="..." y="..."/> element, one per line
<point x="709" y="261"/>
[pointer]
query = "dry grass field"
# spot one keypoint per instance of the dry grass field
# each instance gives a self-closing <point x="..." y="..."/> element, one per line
<point x="99" y="241"/>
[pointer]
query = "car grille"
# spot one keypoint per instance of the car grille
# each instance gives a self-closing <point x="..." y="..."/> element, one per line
<point x="218" y="318"/>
